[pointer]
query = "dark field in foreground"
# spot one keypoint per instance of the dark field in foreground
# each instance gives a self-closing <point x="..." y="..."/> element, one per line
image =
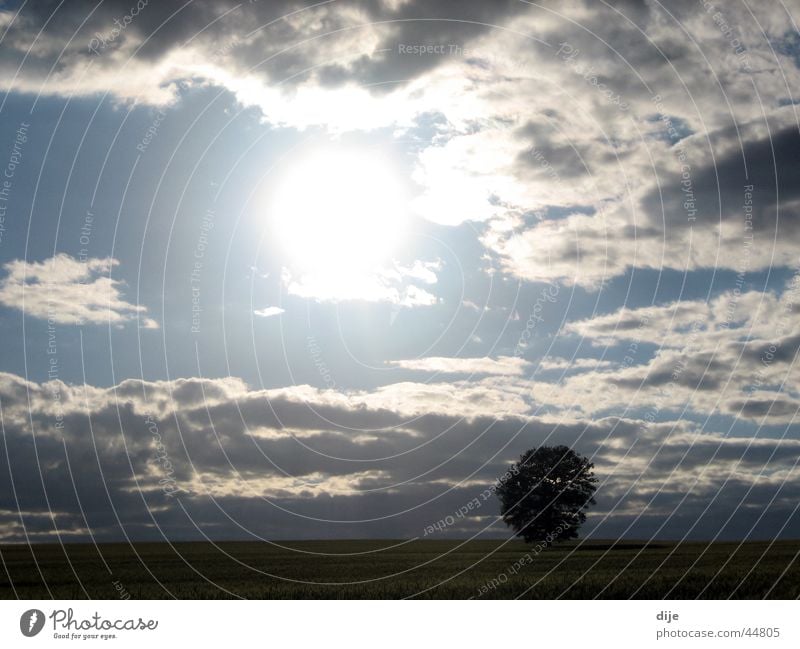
<point x="397" y="569"/>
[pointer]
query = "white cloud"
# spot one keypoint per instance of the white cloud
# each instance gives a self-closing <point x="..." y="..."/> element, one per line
<point x="391" y="285"/>
<point x="70" y="291"/>
<point x="566" y="364"/>
<point x="503" y="366"/>
<point x="269" y="311"/>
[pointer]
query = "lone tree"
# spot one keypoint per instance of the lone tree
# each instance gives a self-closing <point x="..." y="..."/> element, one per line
<point x="544" y="494"/>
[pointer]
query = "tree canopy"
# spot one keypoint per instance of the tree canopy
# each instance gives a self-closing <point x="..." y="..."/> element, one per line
<point x="544" y="495"/>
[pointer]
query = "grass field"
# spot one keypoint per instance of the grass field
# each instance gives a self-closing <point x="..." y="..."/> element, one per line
<point x="397" y="569"/>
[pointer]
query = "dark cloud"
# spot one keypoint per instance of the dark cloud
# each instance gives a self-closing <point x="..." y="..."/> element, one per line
<point x="283" y="464"/>
<point x="758" y="409"/>
<point x="783" y="350"/>
<point x="549" y="156"/>
<point x="281" y="40"/>
<point x="769" y="164"/>
<point x="697" y="371"/>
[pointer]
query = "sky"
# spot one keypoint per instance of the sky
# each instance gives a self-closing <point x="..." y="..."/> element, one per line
<point x="286" y="270"/>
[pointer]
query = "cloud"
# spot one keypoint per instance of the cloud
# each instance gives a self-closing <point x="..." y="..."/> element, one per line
<point x="567" y="152"/>
<point x="396" y="285"/>
<point x="310" y="52"/>
<point x="503" y="366"/>
<point x="584" y="191"/>
<point x="269" y="311"/>
<point x="66" y="290"/>
<point x="734" y="355"/>
<point x="283" y="463"/>
<point x="550" y="363"/>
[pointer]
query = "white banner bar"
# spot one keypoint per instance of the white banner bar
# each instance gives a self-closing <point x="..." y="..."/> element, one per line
<point x="405" y="624"/>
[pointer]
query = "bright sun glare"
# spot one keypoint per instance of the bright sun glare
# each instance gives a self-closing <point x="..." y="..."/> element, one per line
<point x="339" y="212"/>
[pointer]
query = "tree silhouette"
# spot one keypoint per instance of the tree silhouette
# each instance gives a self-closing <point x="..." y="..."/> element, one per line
<point x="543" y="495"/>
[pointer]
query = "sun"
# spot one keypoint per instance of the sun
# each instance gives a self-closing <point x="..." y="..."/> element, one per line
<point x="339" y="212"/>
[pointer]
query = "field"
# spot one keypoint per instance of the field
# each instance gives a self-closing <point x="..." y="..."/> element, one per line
<point x="398" y="569"/>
